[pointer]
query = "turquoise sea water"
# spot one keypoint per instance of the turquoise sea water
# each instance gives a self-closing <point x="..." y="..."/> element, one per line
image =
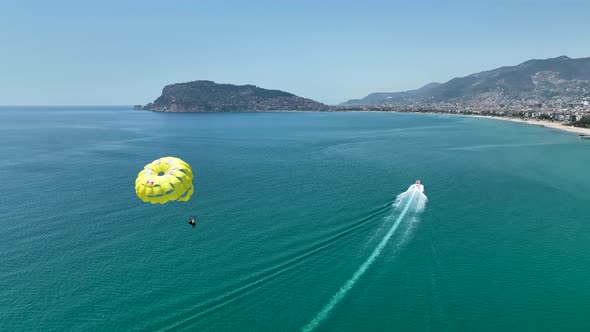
<point x="290" y="206"/>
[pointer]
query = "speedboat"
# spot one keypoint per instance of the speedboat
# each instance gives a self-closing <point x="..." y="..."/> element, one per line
<point x="418" y="186"/>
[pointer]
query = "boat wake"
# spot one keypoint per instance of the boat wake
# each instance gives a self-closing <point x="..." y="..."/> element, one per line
<point x="196" y="311"/>
<point x="412" y="200"/>
<point x="414" y="197"/>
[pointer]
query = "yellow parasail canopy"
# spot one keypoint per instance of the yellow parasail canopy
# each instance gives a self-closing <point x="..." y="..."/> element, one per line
<point x="164" y="180"/>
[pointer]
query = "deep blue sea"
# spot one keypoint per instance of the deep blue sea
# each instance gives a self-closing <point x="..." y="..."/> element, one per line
<point x="296" y="227"/>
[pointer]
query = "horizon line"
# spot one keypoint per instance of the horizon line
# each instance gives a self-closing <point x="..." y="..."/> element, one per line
<point x="70" y="105"/>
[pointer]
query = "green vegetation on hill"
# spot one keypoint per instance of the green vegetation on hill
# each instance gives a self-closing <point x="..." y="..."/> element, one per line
<point x="584" y="122"/>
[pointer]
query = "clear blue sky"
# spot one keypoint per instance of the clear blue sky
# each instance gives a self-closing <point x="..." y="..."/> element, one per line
<point x="124" y="52"/>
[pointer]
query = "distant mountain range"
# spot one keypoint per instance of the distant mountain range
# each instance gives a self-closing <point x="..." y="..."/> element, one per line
<point x="208" y="96"/>
<point x="533" y="80"/>
<point x="560" y="79"/>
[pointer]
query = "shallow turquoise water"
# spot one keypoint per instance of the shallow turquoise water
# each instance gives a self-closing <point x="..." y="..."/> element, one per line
<point x="290" y="205"/>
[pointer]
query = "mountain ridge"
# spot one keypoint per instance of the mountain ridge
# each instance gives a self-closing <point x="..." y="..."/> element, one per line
<point x="535" y="80"/>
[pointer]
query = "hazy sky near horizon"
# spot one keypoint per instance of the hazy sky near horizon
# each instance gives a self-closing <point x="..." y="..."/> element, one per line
<point x="124" y="52"/>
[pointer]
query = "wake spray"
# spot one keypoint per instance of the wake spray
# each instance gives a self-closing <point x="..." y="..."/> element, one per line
<point x="412" y="200"/>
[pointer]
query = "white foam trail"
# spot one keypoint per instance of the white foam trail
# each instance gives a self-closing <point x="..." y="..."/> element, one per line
<point x="407" y="198"/>
<point x="415" y="192"/>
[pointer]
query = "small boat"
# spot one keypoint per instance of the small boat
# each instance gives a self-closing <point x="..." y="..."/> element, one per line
<point x="418" y="185"/>
<point x="582" y="136"/>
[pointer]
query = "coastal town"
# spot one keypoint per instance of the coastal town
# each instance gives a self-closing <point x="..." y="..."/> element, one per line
<point x="571" y="112"/>
<point x="554" y="90"/>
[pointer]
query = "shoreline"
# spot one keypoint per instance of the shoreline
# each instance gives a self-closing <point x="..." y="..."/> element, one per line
<point x="539" y="123"/>
<point x="533" y="122"/>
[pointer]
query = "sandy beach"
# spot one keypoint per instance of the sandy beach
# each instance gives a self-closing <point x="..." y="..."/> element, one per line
<point x="541" y="123"/>
<point x="534" y="122"/>
<point x="547" y="124"/>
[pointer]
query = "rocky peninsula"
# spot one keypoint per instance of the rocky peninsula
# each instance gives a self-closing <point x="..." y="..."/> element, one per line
<point x="208" y="96"/>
